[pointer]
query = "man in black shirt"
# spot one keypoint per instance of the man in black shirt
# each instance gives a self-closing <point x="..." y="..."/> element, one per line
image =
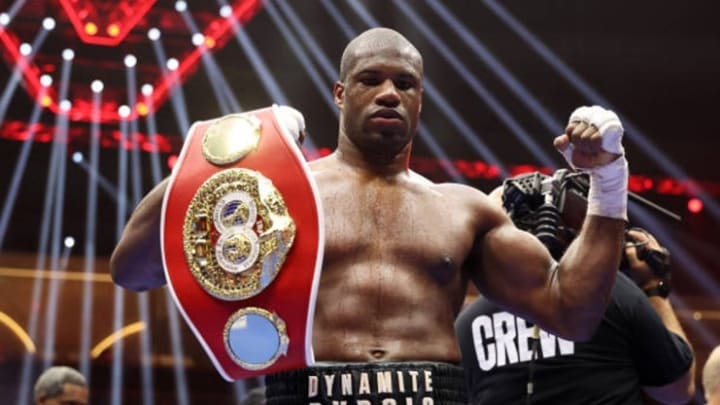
<point x="638" y="349"/>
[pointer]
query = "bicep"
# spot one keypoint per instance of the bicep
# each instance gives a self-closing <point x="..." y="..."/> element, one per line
<point x="515" y="271"/>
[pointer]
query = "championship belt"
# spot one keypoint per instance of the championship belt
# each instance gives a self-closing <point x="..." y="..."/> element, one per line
<point x="242" y="243"/>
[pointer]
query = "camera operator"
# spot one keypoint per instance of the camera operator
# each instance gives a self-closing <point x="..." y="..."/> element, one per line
<point x="638" y="351"/>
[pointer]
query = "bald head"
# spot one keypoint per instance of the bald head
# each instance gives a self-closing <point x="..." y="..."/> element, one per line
<point x="373" y="41"/>
<point x="61" y="383"/>
<point x="711" y="377"/>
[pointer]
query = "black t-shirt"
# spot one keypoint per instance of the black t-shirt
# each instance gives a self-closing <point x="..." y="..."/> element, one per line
<point x="630" y="349"/>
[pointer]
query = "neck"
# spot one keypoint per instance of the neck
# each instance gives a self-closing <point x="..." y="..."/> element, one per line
<point x="377" y="160"/>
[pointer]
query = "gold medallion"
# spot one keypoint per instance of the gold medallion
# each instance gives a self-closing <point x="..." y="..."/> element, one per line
<point x="237" y="233"/>
<point x="255" y="338"/>
<point x="230" y="138"/>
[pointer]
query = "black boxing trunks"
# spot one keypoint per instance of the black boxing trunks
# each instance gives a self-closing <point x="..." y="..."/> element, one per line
<point x="396" y="383"/>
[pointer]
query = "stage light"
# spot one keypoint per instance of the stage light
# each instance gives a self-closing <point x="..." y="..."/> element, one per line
<point x="46" y="100"/>
<point x="46" y="80"/>
<point x="97" y="86"/>
<point x="225" y="11"/>
<point x="65" y="105"/>
<point x="48" y="23"/>
<point x="172" y="64"/>
<point x="198" y="39"/>
<point x="124" y="111"/>
<point x="68" y="54"/>
<point x="180" y="6"/>
<point x="146" y="89"/>
<point x="113" y="30"/>
<point x="153" y="34"/>
<point x="130" y="61"/>
<point x="91" y="28"/>
<point x="142" y="108"/>
<point x="695" y="205"/>
<point x="209" y="42"/>
<point x="77" y="157"/>
<point x="4" y="19"/>
<point x="69" y="242"/>
<point x="25" y="49"/>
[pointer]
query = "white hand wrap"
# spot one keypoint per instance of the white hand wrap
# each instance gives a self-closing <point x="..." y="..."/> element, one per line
<point x="292" y="120"/>
<point x="608" y="183"/>
<point x="608" y="190"/>
<point x="607" y="123"/>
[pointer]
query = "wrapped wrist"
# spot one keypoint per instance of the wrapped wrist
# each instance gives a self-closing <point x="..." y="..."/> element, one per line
<point x="607" y="196"/>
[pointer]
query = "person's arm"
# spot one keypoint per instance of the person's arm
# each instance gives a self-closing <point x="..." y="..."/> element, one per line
<point x="136" y="262"/>
<point x="682" y="389"/>
<point x="568" y="299"/>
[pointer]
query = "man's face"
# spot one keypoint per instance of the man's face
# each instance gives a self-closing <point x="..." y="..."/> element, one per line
<point x="72" y="395"/>
<point x="381" y="97"/>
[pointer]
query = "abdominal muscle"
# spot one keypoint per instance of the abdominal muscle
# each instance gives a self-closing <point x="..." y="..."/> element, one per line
<point x="372" y="312"/>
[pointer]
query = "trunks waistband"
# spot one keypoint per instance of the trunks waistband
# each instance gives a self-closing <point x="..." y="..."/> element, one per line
<point x="396" y="383"/>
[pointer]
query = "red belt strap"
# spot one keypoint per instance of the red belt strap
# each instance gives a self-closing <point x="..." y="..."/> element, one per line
<point x="242" y="240"/>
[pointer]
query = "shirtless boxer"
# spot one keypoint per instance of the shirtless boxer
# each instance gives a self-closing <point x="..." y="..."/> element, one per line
<point x="400" y="250"/>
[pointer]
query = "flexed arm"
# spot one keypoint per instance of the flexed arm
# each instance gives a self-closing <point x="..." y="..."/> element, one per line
<point x="136" y="262"/>
<point x="569" y="297"/>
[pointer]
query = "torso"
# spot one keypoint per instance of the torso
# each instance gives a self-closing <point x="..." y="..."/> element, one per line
<point x="393" y="279"/>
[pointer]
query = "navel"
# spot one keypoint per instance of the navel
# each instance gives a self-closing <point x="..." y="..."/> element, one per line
<point x="378" y="354"/>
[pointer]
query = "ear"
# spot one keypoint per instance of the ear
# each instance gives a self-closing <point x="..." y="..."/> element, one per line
<point x="338" y="93"/>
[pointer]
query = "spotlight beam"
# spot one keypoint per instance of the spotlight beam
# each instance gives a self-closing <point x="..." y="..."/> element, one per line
<point x="103" y="183"/>
<point x="226" y="100"/>
<point x="18" y="173"/>
<point x="116" y="379"/>
<point x="480" y="90"/>
<point x="176" y="345"/>
<point x="152" y="137"/>
<point x="130" y="76"/>
<point x="633" y="133"/>
<point x="14" y="9"/>
<point x="258" y="63"/>
<point x="320" y="85"/>
<point x="90" y="233"/>
<point x="335" y="14"/>
<point x="60" y="139"/>
<point x="16" y="75"/>
<point x="26" y="373"/>
<point x="315" y="49"/>
<point x="260" y="67"/>
<point x="172" y="83"/>
<point x="484" y="54"/>
<point x="142" y="299"/>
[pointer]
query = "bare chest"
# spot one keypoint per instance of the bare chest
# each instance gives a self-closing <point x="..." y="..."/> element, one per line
<point x="396" y="225"/>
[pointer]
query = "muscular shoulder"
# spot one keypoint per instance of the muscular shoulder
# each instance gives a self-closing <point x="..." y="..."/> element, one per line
<point x="473" y="198"/>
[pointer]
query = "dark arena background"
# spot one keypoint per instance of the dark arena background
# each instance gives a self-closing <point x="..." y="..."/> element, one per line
<point x="96" y="96"/>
